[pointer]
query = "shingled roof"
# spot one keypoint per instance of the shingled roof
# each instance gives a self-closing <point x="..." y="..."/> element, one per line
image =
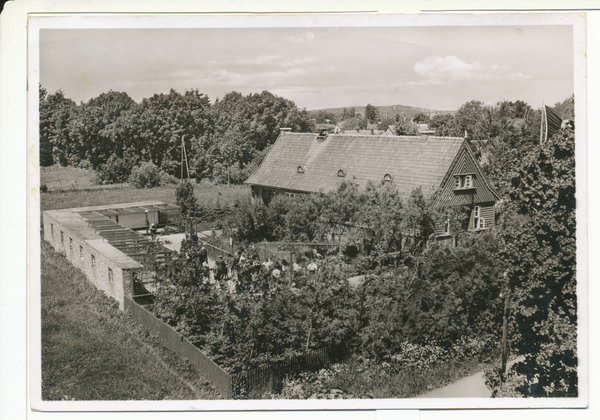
<point x="411" y="161"/>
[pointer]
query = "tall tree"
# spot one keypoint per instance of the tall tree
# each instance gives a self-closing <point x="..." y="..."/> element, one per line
<point x="371" y="114"/>
<point x="538" y="232"/>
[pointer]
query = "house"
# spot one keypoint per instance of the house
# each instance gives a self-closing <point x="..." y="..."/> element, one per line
<point x="100" y="241"/>
<point x="443" y="167"/>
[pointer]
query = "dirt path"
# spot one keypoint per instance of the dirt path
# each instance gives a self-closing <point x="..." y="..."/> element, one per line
<point x="470" y="387"/>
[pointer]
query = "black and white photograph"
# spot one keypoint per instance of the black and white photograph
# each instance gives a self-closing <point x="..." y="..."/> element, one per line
<point x="308" y="211"/>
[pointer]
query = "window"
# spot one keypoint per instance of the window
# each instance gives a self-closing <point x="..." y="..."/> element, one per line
<point x="446" y="229"/>
<point x="62" y="238"/>
<point x="80" y="252"/>
<point x="110" y="275"/>
<point x="301" y="169"/>
<point x="478" y="221"/>
<point x="93" y="261"/>
<point x="52" y="228"/>
<point x="70" y="244"/>
<point x="387" y="178"/>
<point x="481" y="223"/>
<point x="463" y="181"/>
<point x="265" y="193"/>
<point x="341" y="173"/>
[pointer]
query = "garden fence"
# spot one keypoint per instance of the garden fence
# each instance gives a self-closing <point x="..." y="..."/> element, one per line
<point x="257" y="379"/>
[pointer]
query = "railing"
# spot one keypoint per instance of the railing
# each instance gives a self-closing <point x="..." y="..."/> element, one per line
<point x="251" y="380"/>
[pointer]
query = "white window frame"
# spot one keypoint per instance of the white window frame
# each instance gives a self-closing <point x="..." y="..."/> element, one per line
<point x="93" y="260"/>
<point x="481" y="223"/>
<point x="468" y="181"/>
<point x="110" y="275"/>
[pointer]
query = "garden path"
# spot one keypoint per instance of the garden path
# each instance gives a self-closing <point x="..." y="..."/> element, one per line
<point x="470" y="387"/>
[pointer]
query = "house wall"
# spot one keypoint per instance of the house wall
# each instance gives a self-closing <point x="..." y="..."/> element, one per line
<point x="265" y="195"/>
<point x="136" y="220"/>
<point x="79" y="252"/>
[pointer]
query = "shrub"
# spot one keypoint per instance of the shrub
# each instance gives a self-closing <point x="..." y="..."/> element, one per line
<point x="43" y="188"/>
<point x="146" y="175"/>
<point x="116" y="170"/>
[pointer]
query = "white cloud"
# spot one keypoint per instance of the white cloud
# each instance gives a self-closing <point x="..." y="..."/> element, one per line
<point x="450" y="68"/>
<point x="305" y="37"/>
<point x="438" y="70"/>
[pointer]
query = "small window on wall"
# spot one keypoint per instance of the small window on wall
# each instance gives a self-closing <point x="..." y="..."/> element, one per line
<point x="70" y="244"/>
<point x="110" y="275"/>
<point x="463" y="182"/>
<point x="52" y="228"/>
<point x="265" y="193"/>
<point x="481" y="223"/>
<point x="93" y="261"/>
<point x="80" y="252"/>
<point x="446" y="228"/>
<point x="387" y="178"/>
<point x="62" y="238"/>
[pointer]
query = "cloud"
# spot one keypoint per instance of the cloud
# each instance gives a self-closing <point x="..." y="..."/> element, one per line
<point x="305" y="37"/>
<point x="439" y="70"/>
<point x="449" y="68"/>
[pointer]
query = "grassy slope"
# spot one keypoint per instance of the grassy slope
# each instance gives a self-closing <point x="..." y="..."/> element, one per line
<point x="93" y="351"/>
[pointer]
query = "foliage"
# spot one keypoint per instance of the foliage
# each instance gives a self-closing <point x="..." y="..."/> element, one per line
<point x="186" y="200"/>
<point x="116" y="170"/>
<point x="538" y="232"/>
<point x="371" y="114"/>
<point x="224" y="141"/>
<point x="145" y="175"/>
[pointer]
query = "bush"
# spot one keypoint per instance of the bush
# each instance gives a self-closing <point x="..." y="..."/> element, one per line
<point x="43" y="188"/>
<point x="115" y="171"/>
<point x="146" y="175"/>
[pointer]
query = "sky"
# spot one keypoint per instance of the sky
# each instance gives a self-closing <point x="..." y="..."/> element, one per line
<point x="434" y="67"/>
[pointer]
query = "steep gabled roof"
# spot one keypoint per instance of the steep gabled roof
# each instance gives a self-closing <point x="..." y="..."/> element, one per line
<point x="412" y="162"/>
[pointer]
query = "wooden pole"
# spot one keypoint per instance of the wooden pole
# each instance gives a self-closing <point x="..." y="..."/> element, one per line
<point x="504" y="336"/>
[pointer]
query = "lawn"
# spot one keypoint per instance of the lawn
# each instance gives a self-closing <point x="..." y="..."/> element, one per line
<point x="211" y="195"/>
<point x="57" y="176"/>
<point x="93" y="351"/>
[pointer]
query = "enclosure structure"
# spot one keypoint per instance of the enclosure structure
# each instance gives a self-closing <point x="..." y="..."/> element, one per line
<point x="111" y="254"/>
<point x="443" y="167"/>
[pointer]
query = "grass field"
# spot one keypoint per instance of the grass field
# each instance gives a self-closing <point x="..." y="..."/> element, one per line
<point x="93" y="351"/>
<point x="57" y="176"/>
<point x="212" y="195"/>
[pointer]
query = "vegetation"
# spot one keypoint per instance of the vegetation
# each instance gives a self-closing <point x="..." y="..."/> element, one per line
<point x="421" y="307"/>
<point x="224" y="141"/>
<point x="540" y="253"/>
<point x="87" y="343"/>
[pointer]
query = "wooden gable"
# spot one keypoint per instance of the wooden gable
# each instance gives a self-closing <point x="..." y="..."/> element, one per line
<point x="480" y="191"/>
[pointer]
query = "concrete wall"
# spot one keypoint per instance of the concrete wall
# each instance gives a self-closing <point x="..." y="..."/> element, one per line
<point x="136" y="220"/>
<point x="80" y="251"/>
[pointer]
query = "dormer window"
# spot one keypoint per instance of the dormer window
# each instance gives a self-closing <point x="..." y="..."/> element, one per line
<point x="301" y="169"/>
<point x="341" y="173"/>
<point x="387" y="178"/>
<point x="463" y="181"/>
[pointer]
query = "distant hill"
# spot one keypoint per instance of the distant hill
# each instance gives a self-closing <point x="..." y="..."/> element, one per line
<point x="390" y="110"/>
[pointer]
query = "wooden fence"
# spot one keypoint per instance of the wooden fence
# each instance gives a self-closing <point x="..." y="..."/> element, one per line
<point x="255" y="380"/>
<point x="182" y="347"/>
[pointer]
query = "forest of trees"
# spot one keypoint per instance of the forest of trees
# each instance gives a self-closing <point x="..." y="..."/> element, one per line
<point x="224" y="140"/>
